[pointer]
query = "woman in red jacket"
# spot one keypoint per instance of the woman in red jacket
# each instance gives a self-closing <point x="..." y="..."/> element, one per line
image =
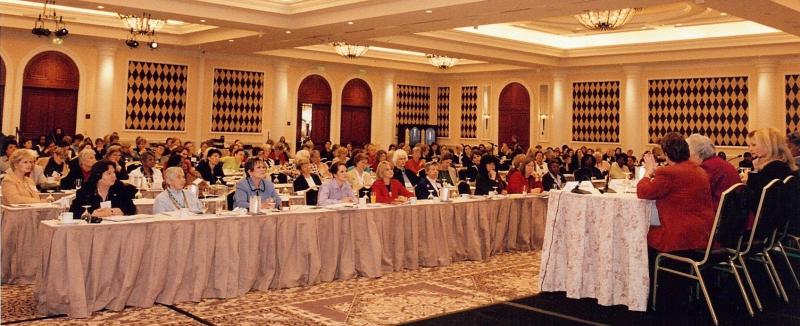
<point x="523" y="176"/>
<point x="387" y="189"/>
<point x="683" y="198"/>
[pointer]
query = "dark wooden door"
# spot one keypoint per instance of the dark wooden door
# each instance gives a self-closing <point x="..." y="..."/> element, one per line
<point x="356" y="125"/>
<point x="2" y="88"/>
<point x="316" y="91"/>
<point x="44" y="109"/>
<point x="514" y="117"/>
<point x="320" y="125"/>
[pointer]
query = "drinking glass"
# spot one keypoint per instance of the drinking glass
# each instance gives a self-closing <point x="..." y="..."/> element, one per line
<point x="430" y="194"/>
<point x="78" y="184"/>
<point x="204" y="206"/>
<point x="86" y="216"/>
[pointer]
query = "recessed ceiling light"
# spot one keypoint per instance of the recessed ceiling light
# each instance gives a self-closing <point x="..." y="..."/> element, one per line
<point x="428" y="11"/>
<point x="644" y="27"/>
<point x="100" y="7"/>
<point x="678" y="25"/>
<point x="350" y="23"/>
<point x="230" y="40"/>
<point x="202" y="20"/>
<point x="723" y="14"/>
<point x="288" y="32"/>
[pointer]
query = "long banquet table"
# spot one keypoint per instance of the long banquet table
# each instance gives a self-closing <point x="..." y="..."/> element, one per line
<point x="89" y="267"/>
<point x="20" y="250"/>
<point x="595" y="246"/>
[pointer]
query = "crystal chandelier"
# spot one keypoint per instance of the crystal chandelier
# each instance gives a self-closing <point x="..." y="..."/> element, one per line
<point x="604" y="20"/>
<point x="142" y="25"/>
<point x="441" y="62"/>
<point x="350" y="50"/>
<point x="61" y="30"/>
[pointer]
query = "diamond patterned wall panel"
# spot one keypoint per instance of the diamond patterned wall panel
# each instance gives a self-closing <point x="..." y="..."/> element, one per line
<point x="413" y="104"/>
<point x="156" y="98"/>
<point x="595" y="111"/>
<point x="469" y="112"/>
<point x="443" y="112"/>
<point x="715" y="107"/>
<point x="792" y="103"/>
<point x="238" y="98"/>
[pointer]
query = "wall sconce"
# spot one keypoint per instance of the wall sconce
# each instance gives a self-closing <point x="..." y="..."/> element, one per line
<point x="486" y="118"/>
<point x="543" y="118"/>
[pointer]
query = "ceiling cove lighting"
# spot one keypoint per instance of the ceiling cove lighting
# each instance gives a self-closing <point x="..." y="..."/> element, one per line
<point x="39" y="28"/>
<point x="350" y="50"/>
<point x="143" y="25"/>
<point x="441" y="62"/>
<point x="604" y="20"/>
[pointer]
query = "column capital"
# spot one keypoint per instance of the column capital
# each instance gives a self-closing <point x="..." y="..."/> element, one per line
<point x="389" y="76"/>
<point x="559" y="75"/>
<point x="281" y="67"/>
<point x="765" y="65"/>
<point x="632" y="70"/>
<point x="106" y="50"/>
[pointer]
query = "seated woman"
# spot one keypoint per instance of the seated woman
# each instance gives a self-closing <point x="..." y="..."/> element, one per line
<point x="488" y="178"/>
<point x="416" y="162"/>
<point x="106" y="195"/>
<point x="256" y="183"/>
<point x="683" y="198"/>
<point x="523" y="177"/>
<point x="588" y="171"/>
<point x="56" y="167"/>
<point x="619" y="167"/>
<point x="447" y="173"/>
<point x="8" y="148"/>
<point x="773" y="160"/>
<point x="337" y="190"/>
<point x="79" y="175"/>
<point x="307" y="181"/>
<point x="386" y="188"/>
<point x="318" y="167"/>
<point x="358" y="177"/>
<point x="428" y="186"/>
<point x="721" y="174"/>
<point x="18" y="187"/>
<point x="114" y="154"/>
<point x="211" y="168"/>
<point x="405" y="176"/>
<point x="148" y="171"/>
<point x="174" y="197"/>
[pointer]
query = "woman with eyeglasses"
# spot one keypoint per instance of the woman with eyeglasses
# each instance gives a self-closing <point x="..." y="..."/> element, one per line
<point x="175" y="197"/>
<point x="256" y="183"/>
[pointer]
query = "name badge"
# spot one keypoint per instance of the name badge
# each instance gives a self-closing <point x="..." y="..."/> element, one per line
<point x="105" y="204"/>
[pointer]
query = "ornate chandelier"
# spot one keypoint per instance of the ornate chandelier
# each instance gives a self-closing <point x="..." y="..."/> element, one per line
<point x="144" y="26"/>
<point x="350" y="50"/>
<point x="61" y="30"/>
<point x="441" y="62"/>
<point x="604" y="20"/>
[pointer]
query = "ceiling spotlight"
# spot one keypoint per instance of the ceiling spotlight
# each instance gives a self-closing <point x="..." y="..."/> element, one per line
<point x="350" y="23"/>
<point x="202" y="20"/>
<point x="153" y="45"/>
<point x="61" y="32"/>
<point x="288" y="32"/>
<point x="131" y="43"/>
<point x="428" y="11"/>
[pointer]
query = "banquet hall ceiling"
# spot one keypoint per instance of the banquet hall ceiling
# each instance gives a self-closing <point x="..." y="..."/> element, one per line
<point x="489" y="35"/>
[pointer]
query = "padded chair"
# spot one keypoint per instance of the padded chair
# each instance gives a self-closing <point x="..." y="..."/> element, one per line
<point x="761" y="237"/>
<point x="721" y="249"/>
<point x="463" y="188"/>
<point x="133" y="166"/>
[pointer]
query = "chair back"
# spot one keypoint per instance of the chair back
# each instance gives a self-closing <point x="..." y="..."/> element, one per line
<point x="731" y="218"/>
<point x="42" y="161"/>
<point x="463" y="188"/>
<point x="763" y="223"/>
<point x="792" y="196"/>
<point x="132" y="166"/>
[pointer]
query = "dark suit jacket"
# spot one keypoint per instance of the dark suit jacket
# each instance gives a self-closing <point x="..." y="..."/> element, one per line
<point x="68" y="182"/>
<point x="423" y="187"/>
<point x="398" y="175"/>
<point x="483" y="185"/>
<point x="549" y="183"/>
<point x="587" y="173"/>
<point x="301" y="184"/>
<point x="205" y="171"/>
<point x="119" y="195"/>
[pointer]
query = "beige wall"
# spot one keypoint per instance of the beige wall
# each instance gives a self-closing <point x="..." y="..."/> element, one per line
<point x="17" y="48"/>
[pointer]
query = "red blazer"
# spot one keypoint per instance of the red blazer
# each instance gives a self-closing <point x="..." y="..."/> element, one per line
<point x="383" y="195"/>
<point x="683" y="199"/>
<point x="516" y="180"/>
<point x="414" y="166"/>
<point x="721" y="175"/>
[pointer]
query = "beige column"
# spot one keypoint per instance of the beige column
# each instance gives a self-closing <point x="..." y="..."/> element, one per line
<point x="280" y="104"/>
<point x="384" y="131"/>
<point x="632" y="120"/>
<point x="767" y="112"/>
<point x="560" y="128"/>
<point x="201" y="117"/>
<point x="101" y="115"/>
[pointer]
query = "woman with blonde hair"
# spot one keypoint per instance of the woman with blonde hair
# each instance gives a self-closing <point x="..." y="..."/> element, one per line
<point x="386" y="188"/>
<point x="18" y="187"/>
<point x="773" y="160"/>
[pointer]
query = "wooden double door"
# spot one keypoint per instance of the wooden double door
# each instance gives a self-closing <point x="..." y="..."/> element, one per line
<point x="356" y="125"/>
<point x="45" y="109"/>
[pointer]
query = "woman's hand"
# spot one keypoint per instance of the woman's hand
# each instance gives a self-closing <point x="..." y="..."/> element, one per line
<point x="492" y="175"/>
<point x="105" y="212"/>
<point x="401" y="199"/>
<point x="649" y="164"/>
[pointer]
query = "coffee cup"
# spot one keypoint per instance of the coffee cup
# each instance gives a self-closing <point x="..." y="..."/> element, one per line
<point x="67" y="218"/>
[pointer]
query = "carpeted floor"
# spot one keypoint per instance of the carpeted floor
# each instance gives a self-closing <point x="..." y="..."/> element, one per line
<point x="392" y="299"/>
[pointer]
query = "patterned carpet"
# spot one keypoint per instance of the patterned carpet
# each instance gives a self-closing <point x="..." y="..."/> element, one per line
<point x="392" y="299"/>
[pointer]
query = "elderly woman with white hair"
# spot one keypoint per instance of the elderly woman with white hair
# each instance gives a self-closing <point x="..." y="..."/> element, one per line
<point x="721" y="174"/>
<point x="175" y="197"/>
<point x="406" y="177"/>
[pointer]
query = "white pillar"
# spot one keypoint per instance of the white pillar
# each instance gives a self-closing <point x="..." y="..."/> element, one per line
<point x="101" y="115"/>
<point x="280" y="104"/>
<point x="766" y="113"/>
<point x="631" y="121"/>
<point x="201" y="116"/>
<point x="387" y="132"/>
<point x="560" y="128"/>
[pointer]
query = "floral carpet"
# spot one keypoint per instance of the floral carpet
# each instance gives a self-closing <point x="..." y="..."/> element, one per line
<point x="395" y="298"/>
